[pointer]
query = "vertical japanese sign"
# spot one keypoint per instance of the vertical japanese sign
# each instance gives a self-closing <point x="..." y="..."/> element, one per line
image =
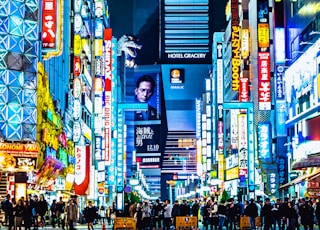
<point x="273" y="183"/>
<point x="235" y="45"/>
<point x="108" y="93"/>
<point x="243" y="149"/>
<point x="282" y="171"/>
<point x="264" y="84"/>
<point x="51" y="28"/>
<point x="264" y="141"/>
<point x="81" y="168"/>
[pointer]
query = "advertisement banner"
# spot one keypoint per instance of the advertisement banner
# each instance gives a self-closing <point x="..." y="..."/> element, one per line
<point x="264" y="84"/>
<point x="82" y="168"/>
<point x="264" y="141"/>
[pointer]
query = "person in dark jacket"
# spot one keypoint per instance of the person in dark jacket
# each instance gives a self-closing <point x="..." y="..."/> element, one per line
<point x="28" y="218"/>
<point x="266" y="214"/>
<point x="19" y="211"/>
<point x="291" y="216"/>
<point x="54" y="211"/>
<point x="184" y="209"/>
<point x="157" y="214"/>
<point x="222" y="214"/>
<point x="175" y="211"/>
<point x="233" y="211"/>
<point x="90" y="214"/>
<point x="252" y="212"/>
<point x="41" y="209"/>
<point x="306" y="214"/>
<point x="195" y="208"/>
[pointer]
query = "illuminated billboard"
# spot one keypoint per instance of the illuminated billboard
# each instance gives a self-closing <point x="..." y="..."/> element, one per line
<point x="19" y="47"/>
<point x="147" y="128"/>
<point x="181" y="40"/>
<point x="52" y="12"/>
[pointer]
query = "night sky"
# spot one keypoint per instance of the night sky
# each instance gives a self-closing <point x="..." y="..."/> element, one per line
<point x="126" y="17"/>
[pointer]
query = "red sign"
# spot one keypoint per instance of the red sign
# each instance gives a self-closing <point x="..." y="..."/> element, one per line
<point x="49" y="24"/>
<point x="244" y="89"/>
<point x="82" y="169"/>
<point x="77" y="66"/>
<point x="108" y="93"/>
<point x="264" y="84"/>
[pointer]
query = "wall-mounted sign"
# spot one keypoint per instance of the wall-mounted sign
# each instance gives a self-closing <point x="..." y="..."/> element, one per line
<point x="77" y="66"/>
<point x="76" y="109"/>
<point x="77" y="88"/>
<point x="76" y="131"/>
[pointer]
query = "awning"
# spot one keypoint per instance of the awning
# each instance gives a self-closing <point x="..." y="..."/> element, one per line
<point x="301" y="178"/>
<point x="306" y="163"/>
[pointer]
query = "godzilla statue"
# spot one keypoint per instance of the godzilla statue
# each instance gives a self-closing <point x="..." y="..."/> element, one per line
<point x="128" y="45"/>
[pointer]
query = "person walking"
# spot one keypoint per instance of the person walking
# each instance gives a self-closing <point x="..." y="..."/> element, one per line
<point x="102" y="214"/>
<point x="54" y="211"/>
<point x="108" y="215"/>
<point x="167" y="215"/>
<point x="146" y="218"/>
<point x="222" y="214"/>
<point x="157" y="214"/>
<point x="266" y="214"/>
<point x="252" y="212"/>
<point x="233" y="211"/>
<point x="306" y="214"/>
<point x="41" y="209"/>
<point x="90" y="214"/>
<point x="60" y="213"/>
<point x="71" y="214"/>
<point x="28" y="218"/>
<point x="291" y="216"/>
<point x="19" y="211"/>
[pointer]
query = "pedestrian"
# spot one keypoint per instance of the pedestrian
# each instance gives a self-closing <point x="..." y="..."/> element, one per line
<point x="195" y="208"/>
<point x="233" y="211"/>
<point x="90" y="214"/>
<point x="28" y="218"/>
<point x="102" y="214"/>
<point x="71" y="213"/>
<point x="185" y="208"/>
<point x="146" y="217"/>
<point x="60" y="213"/>
<point x="157" y="214"/>
<point x="167" y="215"/>
<point x="306" y="214"/>
<point x="276" y="214"/>
<point x="317" y="211"/>
<point x="222" y="214"/>
<point x="54" y="211"/>
<point x="19" y="211"/>
<point x="292" y="216"/>
<point x="252" y="212"/>
<point x="108" y="215"/>
<point x="41" y="209"/>
<point x="4" y="206"/>
<point x="175" y="212"/>
<point x="266" y="214"/>
<point x="138" y="216"/>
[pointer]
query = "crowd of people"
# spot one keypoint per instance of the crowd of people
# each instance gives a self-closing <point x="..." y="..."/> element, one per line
<point x="282" y="214"/>
<point x="34" y="211"/>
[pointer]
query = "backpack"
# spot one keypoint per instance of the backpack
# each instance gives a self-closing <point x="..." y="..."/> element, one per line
<point x="4" y="205"/>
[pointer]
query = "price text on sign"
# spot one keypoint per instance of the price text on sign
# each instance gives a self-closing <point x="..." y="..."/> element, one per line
<point x="123" y="222"/>
<point x="186" y="221"/>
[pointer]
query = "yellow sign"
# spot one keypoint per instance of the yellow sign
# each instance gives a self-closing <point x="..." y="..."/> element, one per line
<point x="186" y="221"/>
<point x="20" y="150"/>
<point x="263" y="35"/>
<point x="124" y="223"/>
<point x="232" y="173"/>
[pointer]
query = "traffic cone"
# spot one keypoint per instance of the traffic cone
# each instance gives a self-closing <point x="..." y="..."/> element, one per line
<point x="103" y="226"/>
